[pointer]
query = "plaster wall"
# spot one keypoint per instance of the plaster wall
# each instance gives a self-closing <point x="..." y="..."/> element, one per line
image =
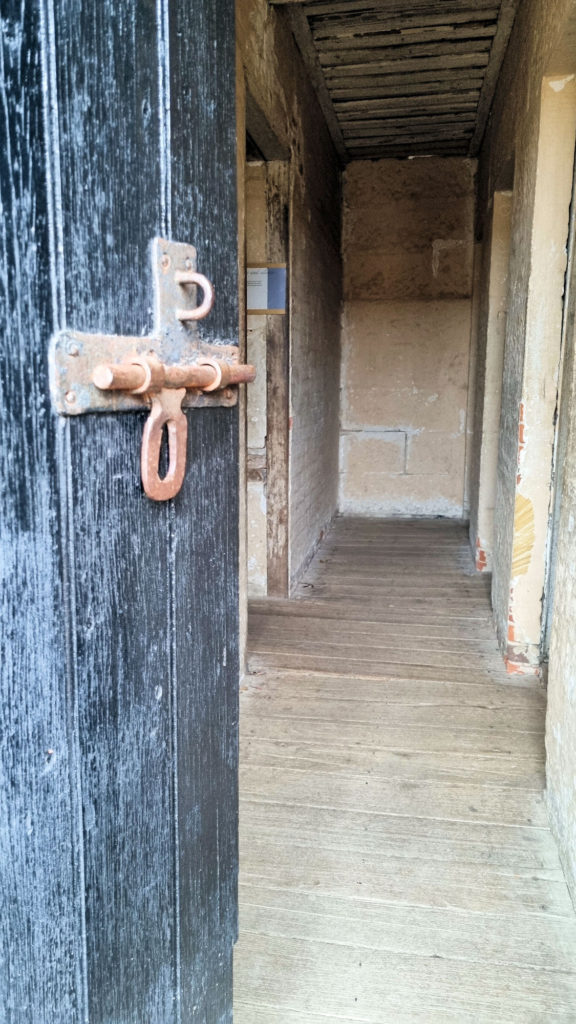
<point x="279" y="86"/>
<point x="532" y="128"/>
<point x="407" y="262"/>
<point x="490" y="338"/>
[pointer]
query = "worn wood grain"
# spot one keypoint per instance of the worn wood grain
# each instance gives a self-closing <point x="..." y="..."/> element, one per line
<point x="378" y="107"/>
<point x="533" y="940"/>
<point x="396" y="859"/>
<point x="373" y="986"/>
<point x="121" y="639"/>
<point x="42" y="957"/>
<point x="204" y="529"/>
<point x="450" y="81"/>
<point x="469" y="51"/>
<point x="438" y="36"/>
<point x="405" y="24"/>
<point x="352" y="47"/>
<point x="470" y="62"/>
<point x="120" y="790"/>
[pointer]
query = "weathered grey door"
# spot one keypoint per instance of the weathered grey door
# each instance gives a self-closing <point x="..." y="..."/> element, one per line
<point x="118" y="614"/>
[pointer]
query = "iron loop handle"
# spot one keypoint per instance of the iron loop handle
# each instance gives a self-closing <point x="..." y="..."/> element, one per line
<point x="184" y="277"/>
<point x="166" y="412"/>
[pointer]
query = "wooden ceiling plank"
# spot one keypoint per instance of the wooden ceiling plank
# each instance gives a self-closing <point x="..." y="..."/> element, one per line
<point x="508" y="11"/>
<point x="445" y="36"/>
<point x="380" y="116"/>
<point x="377" y="87"/>
<point x="388" y="8"/>
<point x="354" y="108"/>
<point x="314" y="8"/>
<point x="384" y="128"/>
<point x="303" y="37"/>
<point x="368" y="151"/>
<point x="466" y="61"/>
<point x="335" y="59"/>
<point x="347" y="26"/>
<point x="412" y="139"/>
<point x="428" y="121"/>
<point x="355" y="141"/>
<point x="405" y="153"/>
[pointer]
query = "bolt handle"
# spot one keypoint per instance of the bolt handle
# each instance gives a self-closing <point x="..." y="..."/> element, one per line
<point x="166" y="387"/>
<point x="147" y="375"/>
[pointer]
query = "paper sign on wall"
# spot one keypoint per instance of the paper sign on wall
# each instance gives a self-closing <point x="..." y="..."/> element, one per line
<point x="266" y="288"/>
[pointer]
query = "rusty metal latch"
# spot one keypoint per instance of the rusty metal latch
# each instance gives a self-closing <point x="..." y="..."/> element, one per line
<point x="167" y="371"/>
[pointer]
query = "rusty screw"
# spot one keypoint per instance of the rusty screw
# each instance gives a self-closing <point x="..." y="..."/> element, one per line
<point x="165" y="262"/>
<point x="73" y="349"/>
<point x="70" y="397"/>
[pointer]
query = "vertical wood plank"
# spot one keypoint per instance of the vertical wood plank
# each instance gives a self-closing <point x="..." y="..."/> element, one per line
<point x="278" y="388"/>
<point x="110" y="153"/>
<point x="120" y="631"/>
<point x="205" y="525"/>
<point x="41" y="950"/>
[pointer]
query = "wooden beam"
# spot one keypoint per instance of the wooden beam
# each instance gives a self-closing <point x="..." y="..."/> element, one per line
<point x="444" y="35"/>
<point x="508" y="11"/>
<point x="377" y="7"/>
<point x="347" y="26"/>
<point x="384" y="116"/>
<point x="260" y="131"/>
<point x="391" y="55"/>
<point x="430" y="82"/>
<point x="277" y="389"/>
<point x="467" y="61"/>
<point x="412" y="140"/>
<point x="388" y="8"/>
<point x="437" y="103"/>
<point x="301" y="30"/>
<point x="398" y="151"/>
<point x="389" y="126"/>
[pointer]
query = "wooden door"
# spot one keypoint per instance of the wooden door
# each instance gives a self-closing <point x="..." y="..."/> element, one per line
<point x="119" y="628"/>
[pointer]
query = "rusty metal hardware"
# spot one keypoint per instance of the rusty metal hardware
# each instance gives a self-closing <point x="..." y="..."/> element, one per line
<point x="166" y="387"/>
<point x="164" y="372"/>
<point x="185" y="277"/>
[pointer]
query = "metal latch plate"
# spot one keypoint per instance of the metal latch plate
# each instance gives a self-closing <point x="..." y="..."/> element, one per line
<point x="74" y="355"/>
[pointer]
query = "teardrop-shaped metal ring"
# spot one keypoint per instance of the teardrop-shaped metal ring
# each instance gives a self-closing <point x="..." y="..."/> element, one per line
<point x="166" y="412"/>
<point x="185" y="277"/>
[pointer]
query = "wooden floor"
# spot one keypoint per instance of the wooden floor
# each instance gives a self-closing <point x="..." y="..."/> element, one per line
<point x="396" y="862"/>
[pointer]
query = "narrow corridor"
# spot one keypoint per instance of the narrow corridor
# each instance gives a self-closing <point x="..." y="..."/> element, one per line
<point x="396" y="860"/>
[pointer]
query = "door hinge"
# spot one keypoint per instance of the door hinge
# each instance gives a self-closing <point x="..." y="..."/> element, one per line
<point x="166" y="371"/>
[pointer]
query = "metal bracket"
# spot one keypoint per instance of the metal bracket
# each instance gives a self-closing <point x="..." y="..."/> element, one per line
<point x="166" y="371"/>
<point x="74" y="355"/>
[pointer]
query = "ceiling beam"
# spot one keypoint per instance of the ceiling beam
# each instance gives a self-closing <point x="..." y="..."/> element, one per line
<point x="467" y="61"/>
<point x="396" y="55"/>
<point x="500" y="42"/>
<point x="340" y="27"/>
<point x="441" y="35"/>
<point x="301" y="31"/>
<point x="429" y="82"/>
<point x="349" y="109"/>
<point x="328" y="7"/>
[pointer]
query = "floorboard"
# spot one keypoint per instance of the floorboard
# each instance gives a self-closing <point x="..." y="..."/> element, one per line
<point x="396" y="861"/>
